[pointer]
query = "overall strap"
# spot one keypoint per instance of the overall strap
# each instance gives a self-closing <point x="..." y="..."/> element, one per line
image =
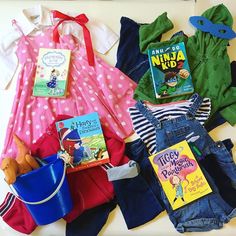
<point x="81" y="20"/>
<point x="197" y="101"/>
<point x="148" y="114"/>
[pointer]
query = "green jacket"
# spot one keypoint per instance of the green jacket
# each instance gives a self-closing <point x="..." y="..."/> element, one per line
<point x="208" y="60"/>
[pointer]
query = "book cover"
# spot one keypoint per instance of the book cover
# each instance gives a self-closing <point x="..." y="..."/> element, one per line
<point x="82" y="142"/>
<point x="51" y="73"/>
<point x="180" y="175"/>
<point x="170" y="71"/>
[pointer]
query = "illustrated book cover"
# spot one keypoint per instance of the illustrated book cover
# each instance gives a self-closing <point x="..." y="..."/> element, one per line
<point x="170" y="71"/>
<point x="52" y="73"/>
<point x="180" y="175"/>
<point x="82" y="142"/>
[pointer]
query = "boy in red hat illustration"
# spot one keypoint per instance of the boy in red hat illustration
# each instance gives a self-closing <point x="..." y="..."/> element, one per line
<point x="71" y="142"/>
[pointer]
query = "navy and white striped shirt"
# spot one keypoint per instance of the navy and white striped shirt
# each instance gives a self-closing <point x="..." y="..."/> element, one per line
<point x="146" y="130"/>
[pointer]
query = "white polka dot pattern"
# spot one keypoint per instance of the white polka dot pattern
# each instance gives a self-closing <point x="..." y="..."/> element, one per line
<point x="102" y="88"/>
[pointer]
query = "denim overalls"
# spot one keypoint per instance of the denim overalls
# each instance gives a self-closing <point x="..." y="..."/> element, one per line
<point x="211" y="211"/>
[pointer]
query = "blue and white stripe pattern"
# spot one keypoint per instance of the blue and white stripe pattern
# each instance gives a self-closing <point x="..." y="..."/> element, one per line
<point x="162" y="112"/>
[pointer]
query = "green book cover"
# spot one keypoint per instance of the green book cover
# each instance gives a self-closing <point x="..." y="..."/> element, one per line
<point x="170" y="71"/>
<point x="52" y="73"/>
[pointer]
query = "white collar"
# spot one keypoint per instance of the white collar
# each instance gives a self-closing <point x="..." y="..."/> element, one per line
<point x="33" y="18"/>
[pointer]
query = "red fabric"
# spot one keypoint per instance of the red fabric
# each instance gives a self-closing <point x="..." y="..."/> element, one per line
<point x="90" y="187"/>
<point x="81" y="20"/>
<point x="16" y="215"/>
<point x="69" y="146"/>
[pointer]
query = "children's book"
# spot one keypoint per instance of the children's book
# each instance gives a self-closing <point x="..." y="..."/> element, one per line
<point x="51" y="73"/>
<point x="82" y="142"/>
<point x="180" y="175"/>
<point x="170" y="71"/>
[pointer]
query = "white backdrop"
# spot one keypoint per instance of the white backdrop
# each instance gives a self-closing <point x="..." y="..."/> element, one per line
<point x="110" y="12"/>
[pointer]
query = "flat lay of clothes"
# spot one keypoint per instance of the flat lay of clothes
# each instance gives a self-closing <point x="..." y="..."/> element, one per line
<point x="124" y="98"/>
<point x="146" y="130"/>
<point x="90" y="188"/>
<point x="136" y="64"/>
<point x="100" y="88"/>
<point x="97" y="180"/>
<point x="100" y="189"/>
<point x="136" y="150"/>
<point x="208" y="60"/>
<point x="172" y="131"/>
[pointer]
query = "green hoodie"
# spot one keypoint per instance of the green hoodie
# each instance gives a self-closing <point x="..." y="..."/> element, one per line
<point x="208" y="60"/>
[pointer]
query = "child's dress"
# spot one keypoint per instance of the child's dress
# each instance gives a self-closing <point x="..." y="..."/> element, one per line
<point x="101" y="88"/>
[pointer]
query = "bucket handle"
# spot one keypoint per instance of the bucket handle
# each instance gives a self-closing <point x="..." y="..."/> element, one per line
<point x="47" y="198"/>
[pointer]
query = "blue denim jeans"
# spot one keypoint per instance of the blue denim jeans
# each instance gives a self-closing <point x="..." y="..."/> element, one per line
<point x="215" y="121"/>
<point x="129" y="58"/>
<point x="138" y="152"/>
<point x="91" y="221"/>
<point x="138" y="202"/>
<point x="210" y="211"/>
<point x="221" y="167"/>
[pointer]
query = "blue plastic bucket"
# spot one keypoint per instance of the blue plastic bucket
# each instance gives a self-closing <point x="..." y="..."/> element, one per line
<point x="45" y="191"/>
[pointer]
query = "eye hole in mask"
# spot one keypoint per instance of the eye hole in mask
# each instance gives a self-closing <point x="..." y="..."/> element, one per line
<point x="201" y="23"/>
<point x="223" y="31"/>
<point x="217" y="30"/>
<point x="171" y="80"/>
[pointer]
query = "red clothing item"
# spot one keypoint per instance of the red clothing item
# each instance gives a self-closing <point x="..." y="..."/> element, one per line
<point x="16" y="215"/>
<point x="90" y="187"/>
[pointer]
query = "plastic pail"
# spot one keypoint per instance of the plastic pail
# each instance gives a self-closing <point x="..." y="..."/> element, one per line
<point x="45" y="191"/>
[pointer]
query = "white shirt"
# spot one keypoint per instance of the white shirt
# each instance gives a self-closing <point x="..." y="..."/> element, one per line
<point x="35" y="19"/>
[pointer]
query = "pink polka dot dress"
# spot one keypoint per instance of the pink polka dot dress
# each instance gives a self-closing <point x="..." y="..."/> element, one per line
<point x="101" y="88"/>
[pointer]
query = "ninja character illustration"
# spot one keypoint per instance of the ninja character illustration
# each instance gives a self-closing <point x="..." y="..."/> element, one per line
<point x="172" y="81"/>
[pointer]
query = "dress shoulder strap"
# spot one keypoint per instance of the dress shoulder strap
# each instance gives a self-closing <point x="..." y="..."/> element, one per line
<point x="17" y="27"/>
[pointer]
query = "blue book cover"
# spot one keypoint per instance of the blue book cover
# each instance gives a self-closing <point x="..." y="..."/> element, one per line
<point x="82" y="142"/>
<point x="170" y="71"/>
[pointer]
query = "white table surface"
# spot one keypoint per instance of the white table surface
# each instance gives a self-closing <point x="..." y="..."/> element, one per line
<point x="110" y="12"/>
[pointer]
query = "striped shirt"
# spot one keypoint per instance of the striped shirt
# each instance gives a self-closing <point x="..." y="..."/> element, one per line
<point x="146" y="130"/>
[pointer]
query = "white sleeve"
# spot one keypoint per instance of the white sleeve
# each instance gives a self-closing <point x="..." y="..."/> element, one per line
<point x="8" y="58"/>
<point x="103" y="38"/>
